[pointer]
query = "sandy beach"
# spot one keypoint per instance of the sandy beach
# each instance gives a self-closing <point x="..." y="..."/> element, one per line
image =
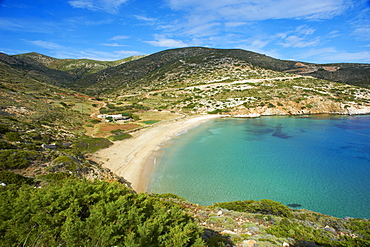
<point x="133" y="158"/>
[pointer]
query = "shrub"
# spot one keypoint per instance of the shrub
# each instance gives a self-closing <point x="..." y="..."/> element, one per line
<point x="3" y="129"/>
<point x="16" y="159"/>
<point x="94" y="121"/>
<point x="13" y="136"/>
<point x="264" y="206"/>
<point x="90" y="144"/>
<point x="5" y="145"/>
<point x="135" y="117"/>
<point x="217" y="111"/>
<point x="150" y="122"/>
<point x="75" y="212"/>
<point x="119" y="136"/>
<point x="9" y="177"/>
<point x="55" y="176"/>
<point x="68" y="162"/>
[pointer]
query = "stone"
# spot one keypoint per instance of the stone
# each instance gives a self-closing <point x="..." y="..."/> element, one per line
<point x="330" y="229"/>
<point x="228" y="232"/>
<point x="249" y="243"/>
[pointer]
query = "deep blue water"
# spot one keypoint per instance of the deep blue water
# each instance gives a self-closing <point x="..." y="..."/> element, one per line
<point x="321" y="163"/>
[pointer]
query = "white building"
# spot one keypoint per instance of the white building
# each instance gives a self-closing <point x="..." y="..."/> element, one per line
<point x="114" y="117"/>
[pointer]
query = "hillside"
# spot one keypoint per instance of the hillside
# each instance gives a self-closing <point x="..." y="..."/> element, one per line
<point x="39" y="122"/>
<point x="77" y="67"/>
<point x="134" y="73"/>
<point x="219" y="84"/>
<point x="29" y="68"/>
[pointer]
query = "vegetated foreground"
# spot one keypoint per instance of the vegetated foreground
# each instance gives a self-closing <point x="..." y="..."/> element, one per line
<point x="74" y="212"/>
<point x="53" y="193"/>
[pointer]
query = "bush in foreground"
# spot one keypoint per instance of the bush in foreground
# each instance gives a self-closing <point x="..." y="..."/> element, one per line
<point x="75" y="212"/>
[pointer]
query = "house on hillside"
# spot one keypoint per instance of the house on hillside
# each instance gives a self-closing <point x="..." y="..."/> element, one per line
<point x="114" y="117"/>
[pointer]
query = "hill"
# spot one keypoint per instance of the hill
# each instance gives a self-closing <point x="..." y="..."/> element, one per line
<point x="133" y="74"/>
<point x="77" y="67"/>
<point x="39" y="122"/>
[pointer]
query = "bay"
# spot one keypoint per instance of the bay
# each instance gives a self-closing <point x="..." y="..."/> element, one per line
<point x="320" y="162"/>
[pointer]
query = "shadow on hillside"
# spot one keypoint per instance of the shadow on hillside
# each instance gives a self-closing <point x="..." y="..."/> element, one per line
<point x="213" y="238"/>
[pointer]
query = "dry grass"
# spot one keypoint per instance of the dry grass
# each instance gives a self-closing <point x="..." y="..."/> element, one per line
<point x="109" y="127"/>
<point x="158" y="115"/>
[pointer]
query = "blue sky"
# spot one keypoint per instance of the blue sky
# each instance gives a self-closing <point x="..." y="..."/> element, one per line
<point x="319" y="31"/>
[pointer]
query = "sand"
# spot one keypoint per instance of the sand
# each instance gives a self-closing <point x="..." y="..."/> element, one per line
<point x="133" y="158"/>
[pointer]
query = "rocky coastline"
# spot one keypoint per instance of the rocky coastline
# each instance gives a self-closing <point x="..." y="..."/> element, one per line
<point x="304" y="107"/>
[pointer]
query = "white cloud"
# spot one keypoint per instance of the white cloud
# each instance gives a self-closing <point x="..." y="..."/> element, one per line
<point x="332" y="55"/>
<point x="235" y="24"/>
<point x="362" y="32"/>
<point x="300" y="37"/>
<point x="361" y="26"/>
<point x="264" y="9"/>
<point x="112" y="44"/>
<point x="97" y="55"/>
<point x="60" y="51"/>
<point x="348" y="57"/>
<point x="47" y="45"/>
<point x="295" y="41"/>
<point x="110" y="6"/>
<point x="162" y="41"/>
<point x="144" y="18"/>
<point x="205" y="29"/>
<point x="120" y="37"/>
<point x="28" y="25"/>
<point x="84" y="4"/>
<point x="128" y="53"/>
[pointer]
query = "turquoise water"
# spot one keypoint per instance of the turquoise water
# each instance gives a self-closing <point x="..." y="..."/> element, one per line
<point x="321" y="163"/>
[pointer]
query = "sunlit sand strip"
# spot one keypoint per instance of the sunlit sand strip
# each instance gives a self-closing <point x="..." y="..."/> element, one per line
<point x="132" y="158"/>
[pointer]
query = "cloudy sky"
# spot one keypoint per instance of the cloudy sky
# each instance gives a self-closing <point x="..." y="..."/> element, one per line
<point x="319" y="31"/>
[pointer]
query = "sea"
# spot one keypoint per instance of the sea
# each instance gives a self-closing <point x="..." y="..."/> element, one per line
<point x="320" y="163"/>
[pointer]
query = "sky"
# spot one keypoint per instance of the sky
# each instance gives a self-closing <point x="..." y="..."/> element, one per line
<point x="317" y="31"/>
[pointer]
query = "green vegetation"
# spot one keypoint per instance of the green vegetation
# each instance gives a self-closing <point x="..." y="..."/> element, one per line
<point x="94" y="121"/>
<point x="16" y="159"/>
<point x="150" y="122"/>
<point x="264" y="206"/>
<point x="75" y="212"/>
<point x="9" y="177"/>
<point x="119" y="135"/>
<point x="326" y="236"/>
<point x="90" y="144"/>
<point x="52" y="177"/>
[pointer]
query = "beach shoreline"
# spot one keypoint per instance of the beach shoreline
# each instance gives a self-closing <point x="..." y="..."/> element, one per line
<point x="133" y="158"/>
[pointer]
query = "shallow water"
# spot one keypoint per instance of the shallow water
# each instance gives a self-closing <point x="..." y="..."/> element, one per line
<point x="321" y="163"/>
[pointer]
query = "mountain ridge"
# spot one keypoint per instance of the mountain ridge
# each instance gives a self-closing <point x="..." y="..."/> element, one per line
<point x="94" y="77"/>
